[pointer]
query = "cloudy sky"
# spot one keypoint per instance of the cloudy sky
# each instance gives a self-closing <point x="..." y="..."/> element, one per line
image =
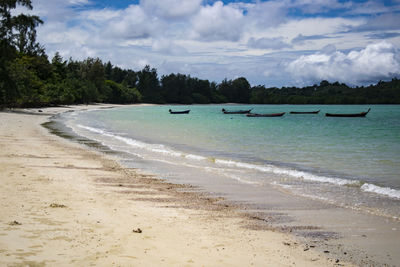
<point x="272" y="43"/>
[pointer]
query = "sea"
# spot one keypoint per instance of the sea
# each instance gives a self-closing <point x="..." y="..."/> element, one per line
<point x="352" y="163"/>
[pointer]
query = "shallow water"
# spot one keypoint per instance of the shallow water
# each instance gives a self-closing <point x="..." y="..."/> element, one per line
<point x="349" y="162"/>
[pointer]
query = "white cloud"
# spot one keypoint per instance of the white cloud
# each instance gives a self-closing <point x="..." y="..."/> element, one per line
<point x="101" y="16"/>
<point x="132" y="23"/>
<point x="171" y="9"/>
<point x="168" y="47"/>
<point x="218" y="22"/>
<point x="375" y="62"/>
<point x="79" y="2"/>
<point x="263" y="15"/>
<point x="276" y="43"/>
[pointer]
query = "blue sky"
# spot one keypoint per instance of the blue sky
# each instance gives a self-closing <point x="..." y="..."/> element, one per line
<point x="272" y="43"/>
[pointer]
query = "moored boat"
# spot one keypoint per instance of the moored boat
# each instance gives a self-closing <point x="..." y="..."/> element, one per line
<point x="179" y="112"/>
<point x="305" y="112"/>
<point x="266" y="114"/>
<point x="236" y="111"/>
<point x="362" y="114"/>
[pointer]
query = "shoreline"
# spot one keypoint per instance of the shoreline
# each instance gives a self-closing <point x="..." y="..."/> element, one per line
<point x="64" y="204"/>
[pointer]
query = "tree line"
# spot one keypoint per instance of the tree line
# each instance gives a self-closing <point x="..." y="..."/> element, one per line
<point x="29" y="79"/>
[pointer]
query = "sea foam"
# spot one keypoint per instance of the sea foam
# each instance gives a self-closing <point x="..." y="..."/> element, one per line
<point x="290" y="172"/>
<point x="381" y="190"/>
<point x="162" y="149"/>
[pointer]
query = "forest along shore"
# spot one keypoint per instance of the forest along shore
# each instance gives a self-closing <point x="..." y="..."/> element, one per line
<point x="63" y="204"/>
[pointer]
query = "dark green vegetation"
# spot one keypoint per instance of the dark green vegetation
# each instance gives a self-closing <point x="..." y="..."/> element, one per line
<point x="29" y="79"/>
<point x="329" y="93"/>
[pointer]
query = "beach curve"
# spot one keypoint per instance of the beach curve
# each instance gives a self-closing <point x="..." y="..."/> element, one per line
<point x="64" y="205"/>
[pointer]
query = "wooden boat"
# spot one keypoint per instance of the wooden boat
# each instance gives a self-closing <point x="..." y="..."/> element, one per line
<point x="266" y="115"/>
<point x="179" y="112"/>
<point x="304" y="112"/>
<point x="236" y="111"/>
<point x="362" y="114"/>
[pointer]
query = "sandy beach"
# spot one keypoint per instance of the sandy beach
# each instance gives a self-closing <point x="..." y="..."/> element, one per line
<point x="63" y="204"/>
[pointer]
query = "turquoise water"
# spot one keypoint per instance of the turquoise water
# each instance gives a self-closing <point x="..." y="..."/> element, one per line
<point x="356" y="160"/>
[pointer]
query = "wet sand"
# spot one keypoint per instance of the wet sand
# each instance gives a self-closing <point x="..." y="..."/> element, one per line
<point x="63" y="204"/>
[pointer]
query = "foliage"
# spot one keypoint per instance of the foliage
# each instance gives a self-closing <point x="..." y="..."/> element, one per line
<point x="329" y="93"/>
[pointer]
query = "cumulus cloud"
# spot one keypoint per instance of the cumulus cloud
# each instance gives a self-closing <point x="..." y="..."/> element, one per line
<point x="262" y="15"/>
<point x="132" y="23"/>
<point x="171" y="9"/>
<point x="168" y="47"/>
<point x="375" y="62"/>
<point x="218" y="22"/>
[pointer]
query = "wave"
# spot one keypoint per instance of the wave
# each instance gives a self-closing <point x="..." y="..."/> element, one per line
<point x="134" y="143"/>
<point x="292" y="173"/>
<point x="162" y="149"/>
<point x="381" y="190"/>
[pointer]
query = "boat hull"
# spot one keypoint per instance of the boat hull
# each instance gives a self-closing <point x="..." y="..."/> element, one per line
<point x="266" y="115"/>
<point x="304" y="112"/>
<point x="179" y="112"/>
<point x="236" y="111"/>
<point x="350" y="115"/>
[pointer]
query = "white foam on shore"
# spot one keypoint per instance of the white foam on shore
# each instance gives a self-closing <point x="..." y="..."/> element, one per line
<point x="157" y="148"/>
<point x="292" y="173"/>
<point x="95" y="130"/>
<point x="195" y="157"/>
<point x="166" y="152"/>
<point x="381" y="190"/>
<point x="161" y="149"/>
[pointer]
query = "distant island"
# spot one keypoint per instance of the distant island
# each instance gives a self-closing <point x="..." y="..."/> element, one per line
<point x="29" y="79"/>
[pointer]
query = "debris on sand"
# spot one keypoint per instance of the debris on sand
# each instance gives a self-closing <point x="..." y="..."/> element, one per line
<point x="55" y="205"/>
<point x="15" y="223"/>
<point x="137" y="230"/>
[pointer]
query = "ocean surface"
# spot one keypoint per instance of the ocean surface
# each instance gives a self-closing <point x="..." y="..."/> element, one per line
<point x="349" y="162"/>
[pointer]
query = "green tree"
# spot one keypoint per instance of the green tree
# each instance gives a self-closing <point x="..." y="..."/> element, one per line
<point x="28" y="87"/>
<point x="17" y="34"/>
<point x="121" y="94"/>
<point x="225" y="89"/>
<point x="92" y="71"/>
<point x="25" y="37"/>
<point x="131" y="79"/>
<point x="59" y="67"/>
<point x="149" y="85"/>
<point x="108" y="70"/>
<point x="241" y="90"/>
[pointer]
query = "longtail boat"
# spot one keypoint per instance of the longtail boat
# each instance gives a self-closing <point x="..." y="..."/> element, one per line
<point x="236" y="111"/>
<point x="362" y="114"/>
<point x="179" y="112"/>
<point x="266" y="115"/>
<point x="304" y="112"/>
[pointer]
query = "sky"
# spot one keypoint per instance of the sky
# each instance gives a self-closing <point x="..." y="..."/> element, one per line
<point x="272" y="43"/>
